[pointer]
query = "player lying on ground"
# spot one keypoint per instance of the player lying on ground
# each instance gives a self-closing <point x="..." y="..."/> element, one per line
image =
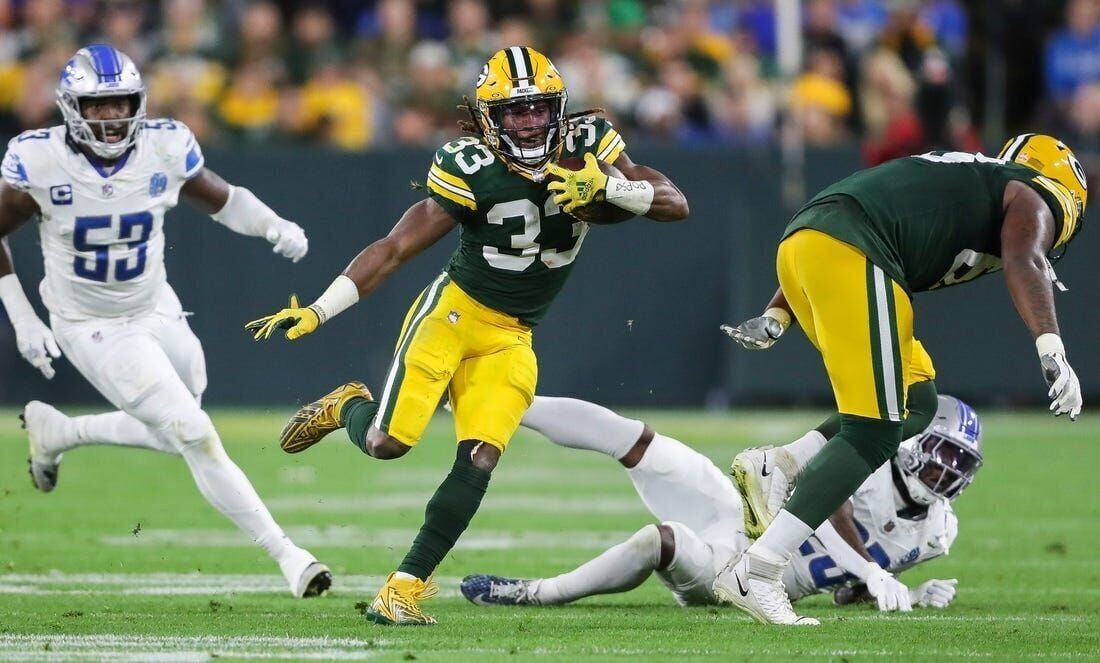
<point x="893" y="522"/>
<point x="100" y="185"/>
<point x="848" y="265"/>
<point x="469" y="332"/>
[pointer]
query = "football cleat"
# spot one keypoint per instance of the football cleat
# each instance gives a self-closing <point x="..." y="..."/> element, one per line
<point x="765" y="477"/>
<point x="755" y="585"/>
<point x="306" y="576"/>
<point x="311" y="423"/>
<point x="398" y="602"/>
<point x="494" y="590"/>
<point x="43" y="422"/>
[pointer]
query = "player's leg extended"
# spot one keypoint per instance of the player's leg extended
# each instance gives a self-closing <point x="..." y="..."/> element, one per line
<point x="578" y="424"/>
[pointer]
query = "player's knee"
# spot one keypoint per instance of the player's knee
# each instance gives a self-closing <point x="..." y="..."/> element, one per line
<point x="875" y="440"/>
<point x="384" y="447"/>
<point x="481" y="455"/>
<point x="192" y="431"/>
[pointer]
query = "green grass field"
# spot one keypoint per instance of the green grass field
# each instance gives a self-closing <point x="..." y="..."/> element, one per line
<point x="124" y="561"/>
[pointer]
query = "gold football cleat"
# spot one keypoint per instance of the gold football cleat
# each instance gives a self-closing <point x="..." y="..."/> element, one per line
<point x="311" y="423"/>
<point x="398" y="602"/>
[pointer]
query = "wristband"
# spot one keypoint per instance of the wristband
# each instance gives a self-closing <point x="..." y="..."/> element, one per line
<point x="632" y="195"/>
<point x="780" y="315"/>
<point x="1049" y="344"/>
<point x="340" y="295"/>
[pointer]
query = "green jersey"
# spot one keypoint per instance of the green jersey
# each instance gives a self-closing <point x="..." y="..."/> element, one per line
<point x="932" y="220"/>
<point x="516" y="246"/>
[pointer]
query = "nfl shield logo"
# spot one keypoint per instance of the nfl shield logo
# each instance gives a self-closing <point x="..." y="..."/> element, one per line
<point x="158" y="183"/>
<point x="108" y="190"/>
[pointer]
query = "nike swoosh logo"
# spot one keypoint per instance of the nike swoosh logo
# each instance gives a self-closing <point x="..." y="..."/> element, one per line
<point x="740" y="587"/>
<point x="764" y="467"/>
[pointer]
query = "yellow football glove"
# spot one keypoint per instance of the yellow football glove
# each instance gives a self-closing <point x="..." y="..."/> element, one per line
<point x="578" y="187"/>
<point x="296" y="320"/>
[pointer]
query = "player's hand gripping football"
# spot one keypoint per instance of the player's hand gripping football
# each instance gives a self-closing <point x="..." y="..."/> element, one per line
<point x="758" y="333"/>
<point x="934" y="593"/>
<point x="890" y="592"/>
<point x="1065" y="388"/>
<point x="36" y="343"/>
<point x="578" y="188"/>
<point x="297" y="322"/>
<point x="289" y="240"/>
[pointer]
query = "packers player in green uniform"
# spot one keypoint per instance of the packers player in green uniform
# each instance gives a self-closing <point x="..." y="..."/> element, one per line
<point x="469" y="332"/>
<point x="848" y="264"/>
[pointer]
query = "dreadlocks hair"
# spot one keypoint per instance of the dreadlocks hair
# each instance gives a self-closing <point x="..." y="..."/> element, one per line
<point x="471" y="125"/>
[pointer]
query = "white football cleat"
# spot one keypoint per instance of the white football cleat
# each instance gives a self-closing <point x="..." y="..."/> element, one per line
<point x="44" y="424"/>
<point x="765" y="477"/>
<point x="306" y="576"/>
<point x="755" y="585"/>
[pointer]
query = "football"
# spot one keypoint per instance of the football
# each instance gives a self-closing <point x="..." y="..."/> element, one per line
<point x="602" y="212"/>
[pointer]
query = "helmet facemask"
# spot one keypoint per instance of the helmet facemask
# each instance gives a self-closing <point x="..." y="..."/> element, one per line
<point x="937" y="466"/>
<point x="95" y="134"/>
<point x="513" y="128"/>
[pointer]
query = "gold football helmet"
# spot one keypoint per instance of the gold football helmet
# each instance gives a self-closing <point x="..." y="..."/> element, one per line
<point x="1055" y="162"/>
<point x="520" y="81"/>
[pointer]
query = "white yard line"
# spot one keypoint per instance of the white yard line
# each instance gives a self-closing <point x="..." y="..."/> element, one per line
<point x="353" y="536"/>
<point x="14" y="647"/>
<point x="494" y="502"/>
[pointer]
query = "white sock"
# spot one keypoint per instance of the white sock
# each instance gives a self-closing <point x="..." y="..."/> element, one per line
<point x="228" y="490"/>
<point x="582" y="425"/>
<point x="113" y="428"/>
<point x="782" y="538"/>
<point x="620" y="568"/>
<point x="805" y="448"/>
<point x="679" y="484"/>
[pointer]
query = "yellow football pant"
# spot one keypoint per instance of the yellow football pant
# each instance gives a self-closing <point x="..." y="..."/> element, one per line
<point x="484" y="356"/>
<point x="856" y="316"/>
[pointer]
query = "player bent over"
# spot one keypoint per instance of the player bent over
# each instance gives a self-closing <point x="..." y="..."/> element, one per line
<point x="848" y="265"/>
<point x="469" y="332"/>
<point x="900" y="517"/>
<point x="100" y="185"/>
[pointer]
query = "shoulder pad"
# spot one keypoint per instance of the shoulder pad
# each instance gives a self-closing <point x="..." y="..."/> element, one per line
<point x="597" y="135"/>
<point x="176" y="145"/>
<point x="26" y="155"/>
<point x="454" y="165"/>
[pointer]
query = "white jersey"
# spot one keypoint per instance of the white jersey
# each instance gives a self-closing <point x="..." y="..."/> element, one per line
<point x="894" y="542"/>
<point x="103" y="234"/>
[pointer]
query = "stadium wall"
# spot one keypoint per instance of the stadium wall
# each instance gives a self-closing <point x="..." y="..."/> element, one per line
<point x="637" y="324"/>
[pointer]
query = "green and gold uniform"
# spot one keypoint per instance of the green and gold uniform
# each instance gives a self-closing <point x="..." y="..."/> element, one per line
<point x="470" y="330"/>
<point x="851" y="258"/>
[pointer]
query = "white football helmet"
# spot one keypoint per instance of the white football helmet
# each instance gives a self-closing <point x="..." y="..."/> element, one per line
<point x="942" y="461"/>
<point x="98" y="71"/>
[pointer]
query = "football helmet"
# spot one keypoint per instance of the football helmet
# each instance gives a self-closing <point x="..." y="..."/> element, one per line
<point x="1055" y="161"/>
<point x="942" y="461"/>
<point x="99" y="71"/>
<point x="515" y="77"/>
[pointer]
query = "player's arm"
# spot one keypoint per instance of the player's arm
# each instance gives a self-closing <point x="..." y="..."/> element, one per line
<point x="761" y="332"/>
<point x="841" y="539"/>
<point x="241" y="211"/>
<point x="1027" y="234"/>
<point x="421" y="226"/>
<point x="642" y="190"/>
<point x="33" y="338"/>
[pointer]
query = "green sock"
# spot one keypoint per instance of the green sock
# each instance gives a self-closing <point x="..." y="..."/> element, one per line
<point x="921" y="403"/>
<point x="448" y="513"/>
<point x="357" y="415"/>
<point x="845" y="462"/>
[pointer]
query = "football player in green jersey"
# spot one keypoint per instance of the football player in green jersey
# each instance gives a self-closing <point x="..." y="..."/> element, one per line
<point x="469" y="332"/>
<point x="848" y="264"/>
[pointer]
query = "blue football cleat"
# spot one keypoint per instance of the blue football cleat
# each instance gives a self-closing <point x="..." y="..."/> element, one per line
<point x="494" y="590"/>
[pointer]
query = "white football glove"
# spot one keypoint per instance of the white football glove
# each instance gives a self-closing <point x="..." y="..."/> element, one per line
<point x="890" y="592"/>
<point x="762" y="332"/>
<point x="934" y="593"/>
<point x="36" y="343"/>
<point x="1065" y="388"/>
<point x="289" y="240"/>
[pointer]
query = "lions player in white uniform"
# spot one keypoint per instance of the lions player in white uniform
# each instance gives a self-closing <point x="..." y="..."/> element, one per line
<point x="99" y="186"/>
<point x="901" y="516"/>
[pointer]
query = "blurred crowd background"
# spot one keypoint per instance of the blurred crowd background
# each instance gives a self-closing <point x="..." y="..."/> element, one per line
<point x="896" y="76"/>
